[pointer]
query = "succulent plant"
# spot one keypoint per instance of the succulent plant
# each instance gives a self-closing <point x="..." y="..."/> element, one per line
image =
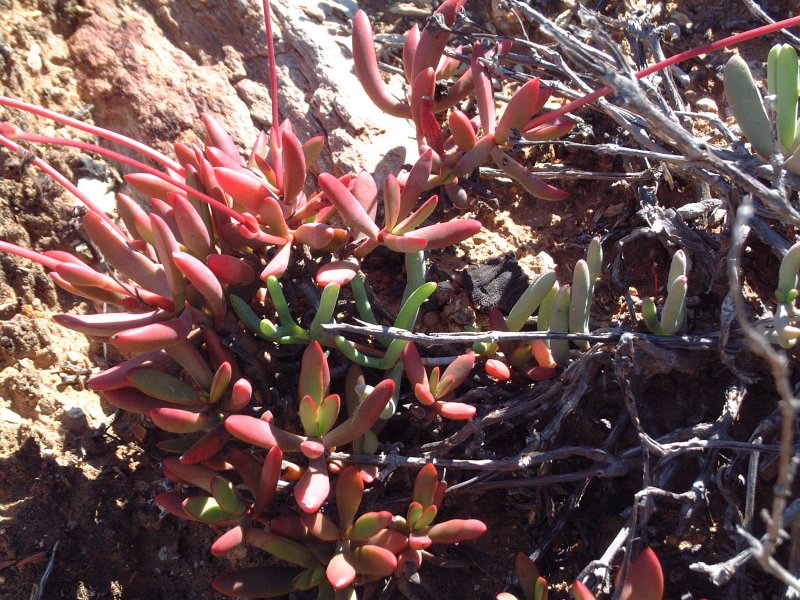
<point x="437" y="390"/>
<point x="453" y="144"/>
<point x="745" y="101"/>
<point x="786" y="330"/>
<point x="673" y="313"/>
<point x="563" y="309"/>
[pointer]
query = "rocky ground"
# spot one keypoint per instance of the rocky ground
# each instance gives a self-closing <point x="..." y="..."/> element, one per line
<point x="77" y="517"/>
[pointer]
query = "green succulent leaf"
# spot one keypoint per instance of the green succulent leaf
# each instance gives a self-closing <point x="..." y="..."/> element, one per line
<point x="282" y="548"/>
<point x="745" y="102"/>
<point x="163" y="386"/>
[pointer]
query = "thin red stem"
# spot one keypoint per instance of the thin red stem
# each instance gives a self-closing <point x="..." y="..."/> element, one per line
<point x="116" y="156"/>
<point x="273" y="75"/>
<point x="62" y="181"/>
<point x="98" y="131"/>
<point x="672" y="60"/>
<point x="45" y="261"/>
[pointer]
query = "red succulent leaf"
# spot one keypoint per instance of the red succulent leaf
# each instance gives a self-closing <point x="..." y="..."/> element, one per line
<point x="217" y="136"/>
<point x="447" y="234"/>
<point x="268" y="481"/>
<point x="196" y="475"/>
<point x="313" y="488"/>
<point x="340" y="272"/>
<point x="218" y="158"/>
<point x="519" y="109"/>
<point x="227" y="496"/>
<point x="423" y="85"/>
<point x="290" y="526"/>
<point x="456" y="530"/>
<point x="645" y="580"/>
<point x="315" y="376"/>
<point x="474" y="157"/>
<point x="203" y="280"/>
<point x="312" y="448"/>
<point x="364" y="417"/>
<point x="257" y="582"/>
<point x="279" y="263"/>
<point x="373" y="561"/>
<point x="419" y="542"/>
<point x="366" y="66"/>
<point x="153" y="337"/>
<point x="228" y="541"/>
<point x="294" y="166"/>
<point x="193" y="231"/>
<point x="540" y="373"/>
<point x="432" y="40"/>
<point x="176" y="420"/>
<point x="461" y="129"/>
<point x="208" y="510"/>
<point x="426" y="517"/>
<point x="207" y="446"/>
<point x="528" y="576"/>
<point x="314" y="235"/>
<point x="327" y="413"/>
<point x="407" y="243"/>
<point x="230" y="269"/>
<point x="391" y="202"/>
<point x="261" y="433"/>
<point x="409" y="48"/>
<point x="365" y="190"/>
<point x="412" y="363"/>
<point x="172" y="502"/>
<point x="241" y="394"/>
<point x="484" y="93"/>
<point x="132" y="400"/>
<point x="424" y="395"/>
<point x="340" y="572"/>
<point x="497" y="369"/>
<point x="369" y="525"/>
<point x="349" y="491"/>
<point x="350" y="209"/>
<point x="416" y="182"/>
<point x="164" y="386"/>
<point x="151" y="186"/>
<point x="455" y="374"/>
<point x="553" y="130"/>
<point x="431" y="129"/>
<point x="392" y="540"/>
<point x="456" y="411"/>
<point x="312" y="148"/>
<point x="532" y="184"/>
<point x="425" y="485"/>
<point x="416" y="218"/>
<point x="320" y="526"/>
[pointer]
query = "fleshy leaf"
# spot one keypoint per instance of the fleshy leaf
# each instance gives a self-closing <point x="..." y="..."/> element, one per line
<point x="349" y="491"/>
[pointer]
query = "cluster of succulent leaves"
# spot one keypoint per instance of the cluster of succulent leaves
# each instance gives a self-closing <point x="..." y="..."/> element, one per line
<point x="776" y="130"/>
<point x="747" y="105"/>
<point x="458" y="144"/>
<point x="204" y="257"/>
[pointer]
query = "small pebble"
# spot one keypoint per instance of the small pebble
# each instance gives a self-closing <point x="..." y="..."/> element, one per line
<point x="706" y="105"/>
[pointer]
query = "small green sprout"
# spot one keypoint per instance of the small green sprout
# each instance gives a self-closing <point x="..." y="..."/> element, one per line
<point x="673" y="313"/>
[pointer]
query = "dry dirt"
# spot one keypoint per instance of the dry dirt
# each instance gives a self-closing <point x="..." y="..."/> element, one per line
<point x="77" y="487"/>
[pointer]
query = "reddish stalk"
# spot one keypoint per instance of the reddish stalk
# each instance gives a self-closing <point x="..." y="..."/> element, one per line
<point x="155" y="155"/>
<point x="273" y="75"/>
<point x="120" y="158"/>
<point x="38" y="257"/>
<point x="672" y="60"/>
<point x="62" y="181"/>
